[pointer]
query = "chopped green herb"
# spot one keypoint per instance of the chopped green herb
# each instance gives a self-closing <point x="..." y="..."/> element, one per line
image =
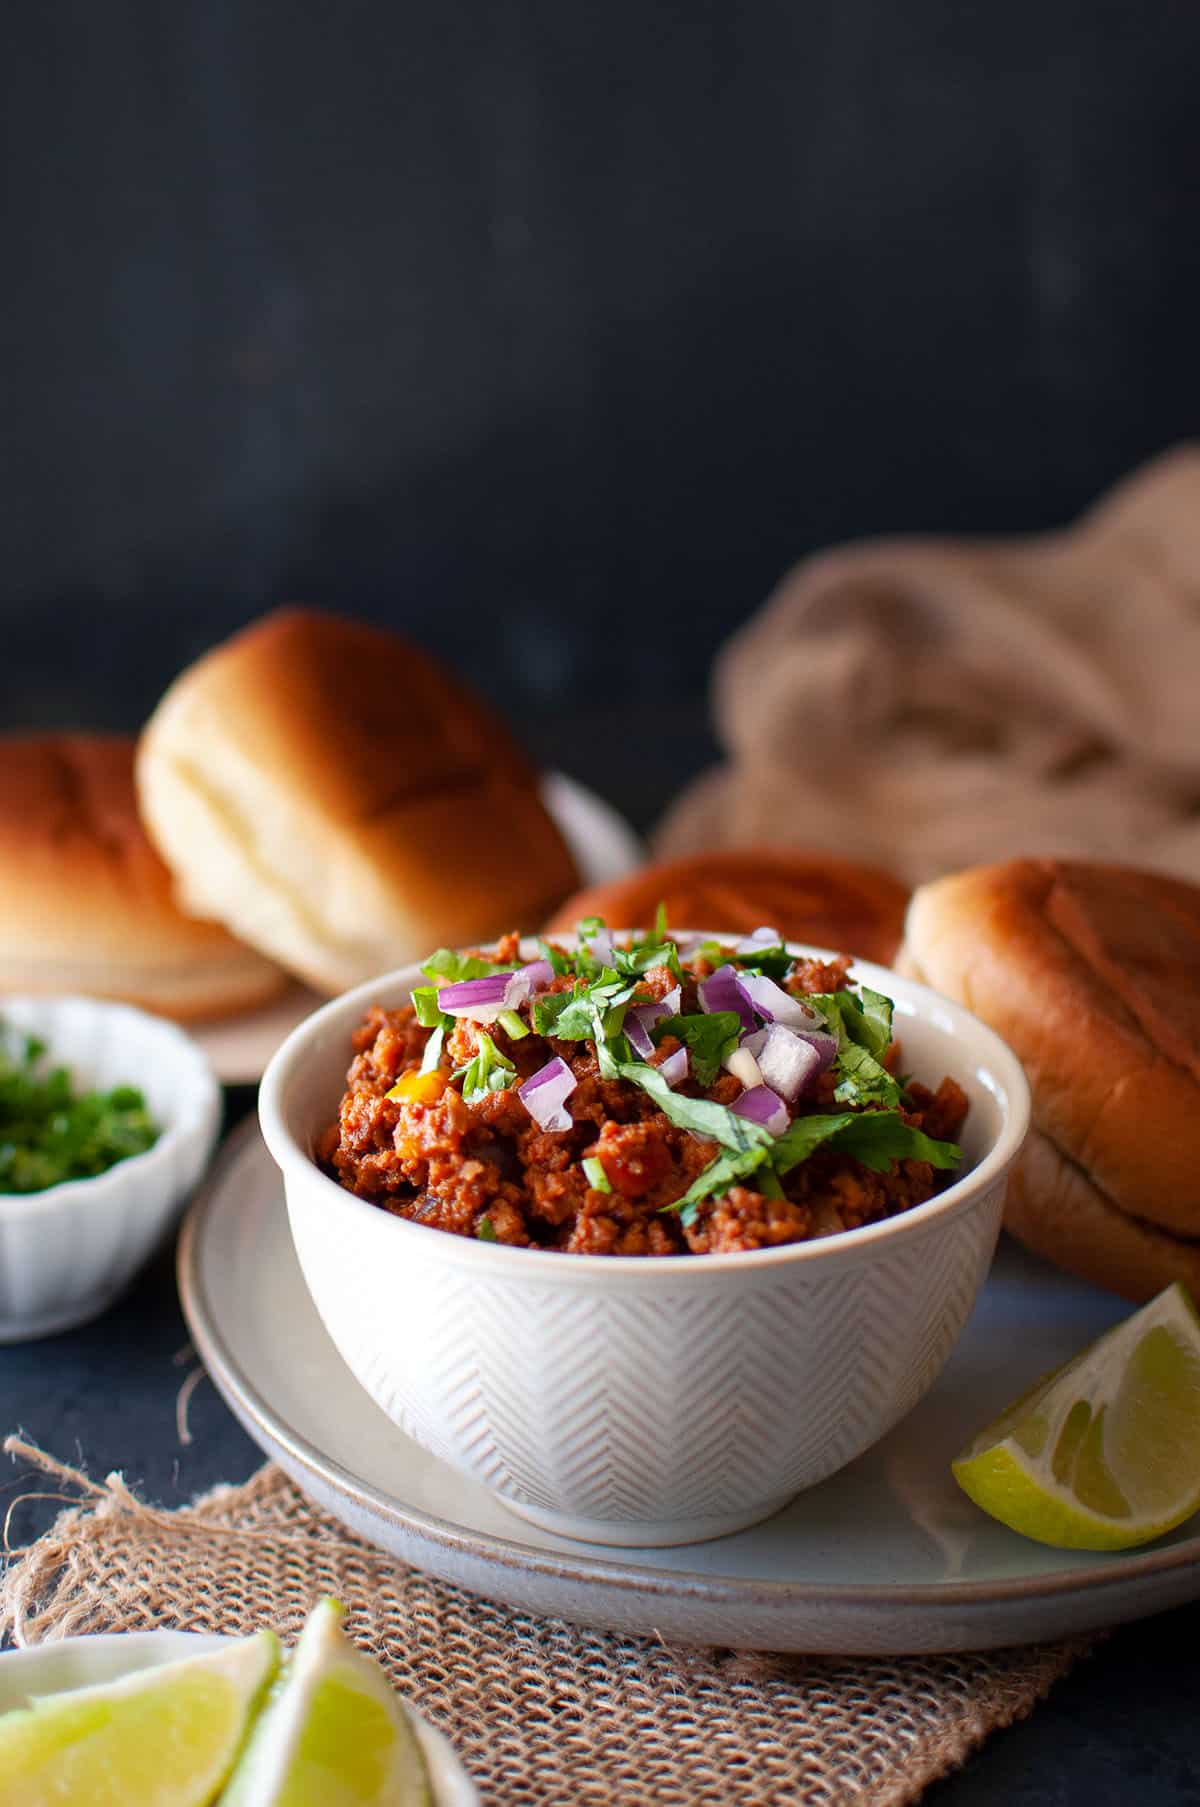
<point x="861" y="1079"/>
<point x="453" y="968"/>
<point x="660" y="922"/>
<point x="487" y="1071"/>
<point x="49" y="1133"/>
<point x="433" y="1047"/>
<point x="561" y="963"/>
<point x="513" y="1025"/>
<point x="593" y="1167"/>
<point x="727" y="1170"/>
<point x="424" y="1000"/>
<point x="700" y="1114"/>
<point x="485" y="1229"/>
<point x="772" y="959"/>
<point x="709" y="1037"/>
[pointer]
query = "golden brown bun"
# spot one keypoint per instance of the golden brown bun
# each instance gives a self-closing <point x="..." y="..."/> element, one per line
<point x="86" y="904"/>
<point x="1092" y="974"/>
<point x="342" y="803"/>
<point x="1054" y="1209"/>
<point x="833" y="903"/>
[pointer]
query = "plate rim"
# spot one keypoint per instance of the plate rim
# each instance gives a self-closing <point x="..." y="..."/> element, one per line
<point x="1122" y="1569"/>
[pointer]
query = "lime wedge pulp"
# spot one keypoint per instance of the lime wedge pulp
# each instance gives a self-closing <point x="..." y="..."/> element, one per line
<point x="334" y="1735"/>
<point x="1105" y="1452"/>
<point x="164" y="1737"/>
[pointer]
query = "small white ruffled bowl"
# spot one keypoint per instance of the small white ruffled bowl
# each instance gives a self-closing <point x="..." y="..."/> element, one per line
<point x="68" y="1252"/>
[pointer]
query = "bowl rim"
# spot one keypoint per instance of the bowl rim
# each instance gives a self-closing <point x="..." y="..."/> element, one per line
<point x="203" y="1099"/>
<point x="988" y="1050"/>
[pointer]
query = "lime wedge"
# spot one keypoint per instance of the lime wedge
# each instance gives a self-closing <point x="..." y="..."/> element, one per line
<point x="1105" y="1452"/>
<point x="335" y="1734"/>
<point x="165" y="1737"/>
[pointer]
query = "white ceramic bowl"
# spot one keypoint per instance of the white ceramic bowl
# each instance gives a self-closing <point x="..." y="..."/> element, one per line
<point x="66" y="1253"/>
<point x="66" y="1663"/>
<point x="639" y="1400"/>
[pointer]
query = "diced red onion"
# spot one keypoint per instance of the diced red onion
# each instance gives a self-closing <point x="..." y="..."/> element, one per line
<point x="757" y="939"/>
<point x="536" y="974"/>
<point x="726" y="990"/>
<point x="545" y="1093"/>
<point x="776" y="1005"/>
<point x="641" y="1019"/>
<point x="484" y="999"/>
<point x="787" y="1062"/>
<point x="742" y="1064"/>
<point x="481" y="999"/>
<point x="674" y="1068"/>
<point x="762" y="1105"/>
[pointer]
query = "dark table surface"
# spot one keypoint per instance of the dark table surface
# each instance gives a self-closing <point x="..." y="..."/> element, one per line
<point x="1121" y="1729"/>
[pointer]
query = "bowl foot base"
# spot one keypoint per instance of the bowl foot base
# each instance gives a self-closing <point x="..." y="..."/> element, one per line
<point x="643" y="1534"/>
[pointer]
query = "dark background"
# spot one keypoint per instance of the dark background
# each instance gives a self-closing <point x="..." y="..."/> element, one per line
<point x="553" y="332"/>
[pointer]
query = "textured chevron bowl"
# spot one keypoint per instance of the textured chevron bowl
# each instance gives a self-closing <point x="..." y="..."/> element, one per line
<point x="642" y="1401"/>
<point x="65" y="1254"/>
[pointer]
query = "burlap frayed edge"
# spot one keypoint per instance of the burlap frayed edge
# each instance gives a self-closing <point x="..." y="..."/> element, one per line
<point x="684" y="1726"/>
<point x="40" y="1583"/>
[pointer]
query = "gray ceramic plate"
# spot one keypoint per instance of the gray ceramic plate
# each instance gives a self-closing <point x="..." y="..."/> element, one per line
<point x="888" y="1556"/>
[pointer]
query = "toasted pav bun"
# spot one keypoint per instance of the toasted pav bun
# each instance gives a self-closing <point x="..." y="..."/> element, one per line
<point x="833" y="903"/>
<point x="1092" y="974"/>
<point x="330" y="793"/>
<point x="86" y="903"/>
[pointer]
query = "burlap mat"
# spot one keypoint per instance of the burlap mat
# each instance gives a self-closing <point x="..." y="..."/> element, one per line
<point x="541" y="1711"/>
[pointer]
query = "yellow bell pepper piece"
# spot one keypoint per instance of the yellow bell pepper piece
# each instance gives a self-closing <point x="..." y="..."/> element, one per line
<point x="418" y="1088"/>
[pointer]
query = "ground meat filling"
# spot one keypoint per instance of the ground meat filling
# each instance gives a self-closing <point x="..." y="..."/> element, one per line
<point x="488" y="1169"/>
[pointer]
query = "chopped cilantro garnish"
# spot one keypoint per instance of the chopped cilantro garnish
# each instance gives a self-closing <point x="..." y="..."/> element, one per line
<point x="560" y="963"/>
<point x="49" y="1133"/>
<point x="485" y="1229"/>
<point x="660" y="922"/>
<point x="424" y="1000"/>
<point x="700" y="1114"/>
<point x="593" y="1167"/>
<point x="433" y="1047"/>
<point x="487" y="1071"/>
<point x="773" y="960"/>
<point x="709" y="1037"/>
<point x="876" y="1138"/>
<point x="453" y="968"/>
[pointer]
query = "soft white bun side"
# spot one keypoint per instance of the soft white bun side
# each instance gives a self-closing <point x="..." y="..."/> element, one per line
<point x="1092" y="974"/>
<point x="86" y="904"/>
<point x="333" y="796"/>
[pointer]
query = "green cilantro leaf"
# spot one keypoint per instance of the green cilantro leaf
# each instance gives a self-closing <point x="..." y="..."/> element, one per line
<point x="727" y="1170"/>
<point x="488" y="1071"/>
<point x="700" y="1114"/>
<point x="424" y="1001"/>
<point x="861" y="1079"/>
<point x="445" y="964"/>
<point x="485" y="1230"/>
<point x="709" y="1038"/>
<point x="560" y="963"/>
<point x="877" y="1138"/>
<point x="660" y="922"/>
<point x="593" y="1167"/>
<point x="772" y="959"/>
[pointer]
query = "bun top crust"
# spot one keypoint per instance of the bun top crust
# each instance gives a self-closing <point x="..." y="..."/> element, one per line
<point x="1092" y="973"/>
<point x="840" y="904"/>
<point x="343" y="803"/>
<point x="85" y="901"/>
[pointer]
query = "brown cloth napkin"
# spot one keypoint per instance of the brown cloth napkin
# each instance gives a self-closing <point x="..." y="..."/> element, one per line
<point x="932" y="703"/>
<point x="542" y="1712"/>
